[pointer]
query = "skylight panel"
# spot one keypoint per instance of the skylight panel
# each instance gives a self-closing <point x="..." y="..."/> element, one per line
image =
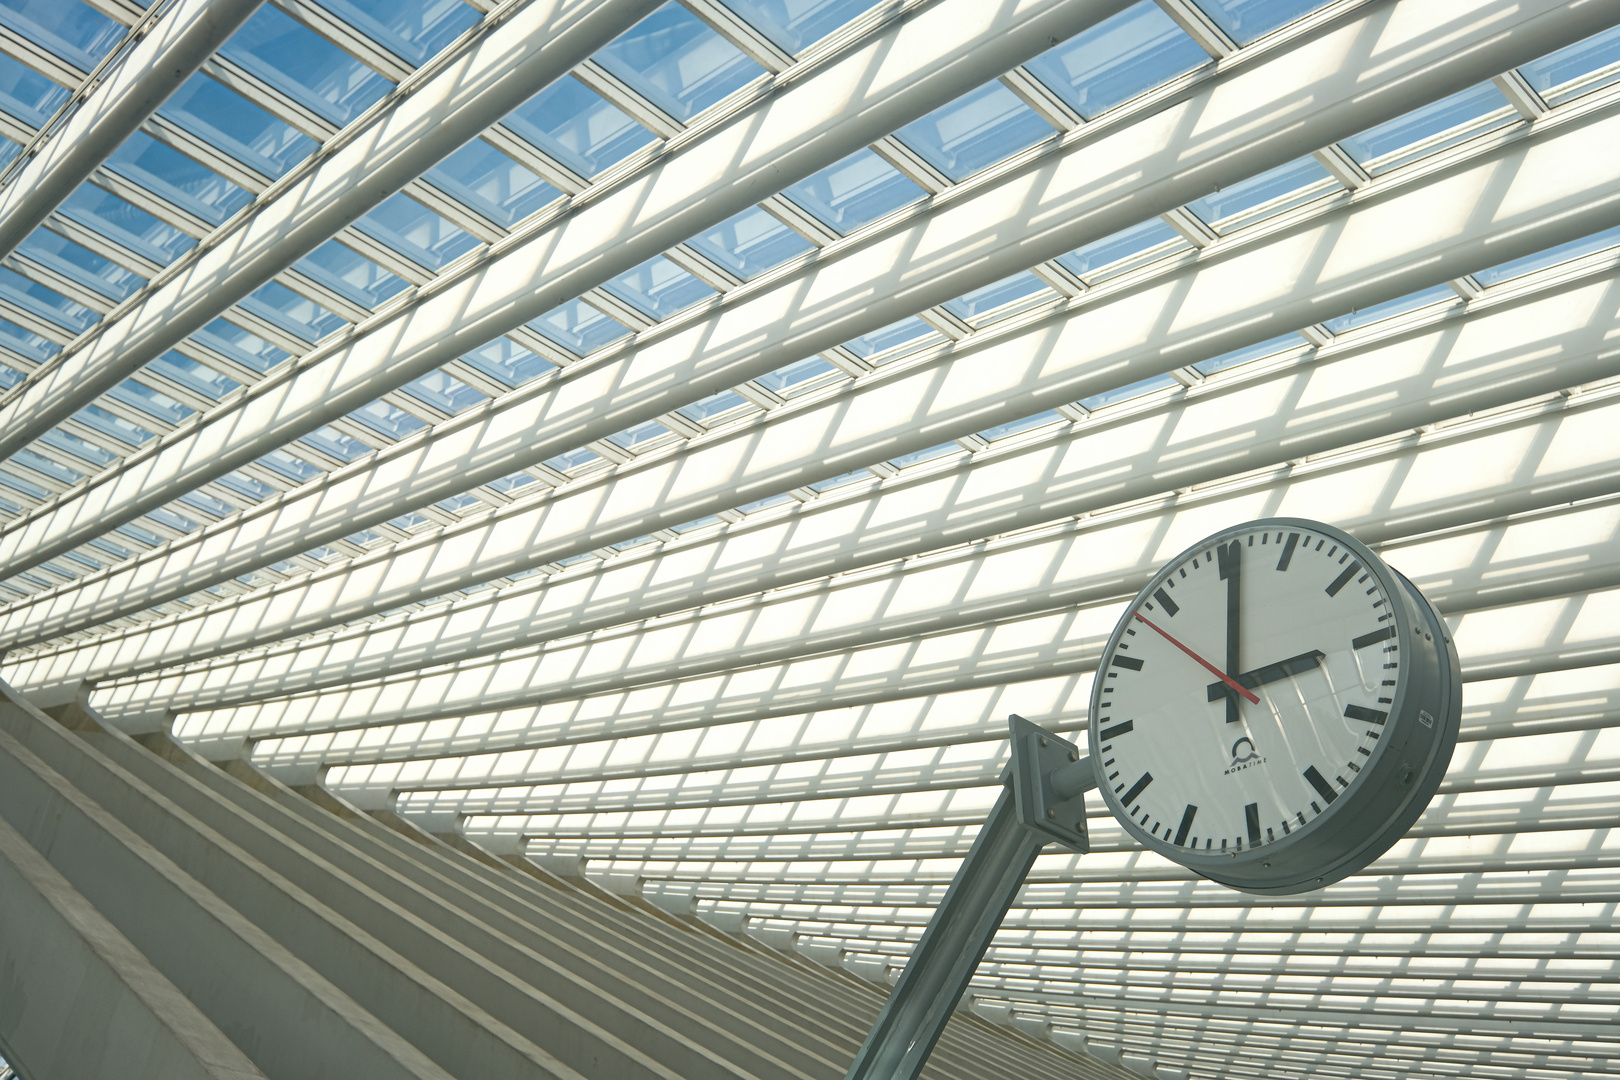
<point x="750" y="243"/>
<point x="254" y="489"/>
<point x="1272" y="191"/>
<point x="248" y="349"/>
<point x="979" y="128"/>
<point x="1576" y="69"/>
<point x="707" y="410"/>
<point x="638" y="434"/>
<point x="47" y="467"/>
<point x="658" y="287"/>
<point x="917" y="457"/>
<point x="414" y="30"/>
<point x="573" y="459"/>
<point x="1246" y="20"/>
<point x="180" y="180"/>
<point x="74" y="31"/>
<point x="1123" y="250"/>
<point x="1390" y="308"/>
<point x="124" y="431"/>
<point x="26" y="343"/>
<point x="28" y="95"/>
<point x="1271" y="347"/>
<point x="208" y="504"/>
<point x="126" y="225"/>
<point x="416" y="232"/>
<point x="1430" y="128"/>
<point x="153" y="403"/>
<point x="302" y="316"/>
<point x="997" y="294"/>
<point x="80" y="264"/>
<point x="192" y="375"/>
<point x="678" y="62"/>
<point x="304" y="66"/>
<point x="23" y="486"/>
<point x="388" y="419"/>
<point x="93" y="456"/>
<point x="234" y="125"/>
<point x="855" y="191"/>
<point x="445" y="392"/>
<point x="1551" y="257"/>
<point x="794" y="25"/>
<point x="335" y="444"/>
<point x="840" y="480"/>
<point x="491" y="183"/>
<point x="796" y="377"/>
<point x="350" y="274"/>
<point x="8" y="151"/>
<point x="1126" y="393"/>
<point x="46" y="303"/>
<point x="579" y="328"/>
<point x="900" y="332"/>
<point x="1021" y="425"/>
<point x="509" y="362"/>
<point x="291" y="466"/>
<point x="1117" y="59"/>
<point x="578" y="127"/>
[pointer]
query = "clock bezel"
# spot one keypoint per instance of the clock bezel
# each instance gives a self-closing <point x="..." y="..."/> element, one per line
<point x="1399" y="778"/>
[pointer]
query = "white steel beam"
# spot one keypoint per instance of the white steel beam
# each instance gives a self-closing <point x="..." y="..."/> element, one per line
<point x="1262" y="114"/>
<point x="789" y="130"/>
<point x="1510" y="346"/>
<point x="185" y="35"/>
<point x="1393" y="237"/>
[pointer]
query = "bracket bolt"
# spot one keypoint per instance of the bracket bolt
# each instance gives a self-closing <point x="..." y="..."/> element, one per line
<point x="1074" y="755"/>
<point x="1043" y="740"/>
<point x="1051" y="813"/>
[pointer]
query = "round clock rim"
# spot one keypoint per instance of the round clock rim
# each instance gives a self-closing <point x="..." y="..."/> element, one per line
<point x="1250" y="870"/>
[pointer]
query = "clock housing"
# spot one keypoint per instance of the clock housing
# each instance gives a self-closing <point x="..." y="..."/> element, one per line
<point x="1357" y="703"/>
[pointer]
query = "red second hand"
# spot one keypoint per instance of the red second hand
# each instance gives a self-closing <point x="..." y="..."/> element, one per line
<point x="1213" y="670"/>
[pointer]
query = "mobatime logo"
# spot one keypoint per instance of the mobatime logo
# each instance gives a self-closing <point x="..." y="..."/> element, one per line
<point x="1244" y="756"/>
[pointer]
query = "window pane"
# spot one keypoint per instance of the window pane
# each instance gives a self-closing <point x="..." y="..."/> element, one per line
<point x="349" y="274"/>
<point x="996" y="294"/>
<point x="678" y="62"/>
<point x="578" y="327"/>
<point x="285" y="308"/>
<point x="304" y="66"/>
<point x="1389" y="308"/>
<point x="1274" y="186"/>
<point x="509" y="362"/>
<point x="74" y="31"/>
<point x="658" y="287"/>
<point x="30" y="97"/>
<point x="1116" y="249"/>
<point x="415" y="231"/>
<point x="230" y="122"/>
<point x="414" y="30"/>
<point x="245" y="348"/>
<point x="888" y="337"/>
<point x="977" y="129"/>
<point x="1118" y="59"/>
<point x="1575" y="69"/>
<point x="1245" y="20"/>
<point x="1551" y="257"/>
<point x="577" y="127"/>
<point x="80" y="264"/>
<point x="1378" y="149"/>
<point x="491" y="183"/>
<point x="194" y="376"/>
<point x="125" y="225"/>
<point x="177" y="178"/>
<point x="444" y="392"/>
<point x="855" y="191"/>
<point x="795" y="24"/>
<point x="45" y="303"/>
<point x="750" y="243"/>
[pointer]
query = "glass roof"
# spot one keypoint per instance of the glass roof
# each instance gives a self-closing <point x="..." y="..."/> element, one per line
<point x="754" y="471"/>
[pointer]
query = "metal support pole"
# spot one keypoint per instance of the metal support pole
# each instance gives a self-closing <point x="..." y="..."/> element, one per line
<point x="1043" y="801"/>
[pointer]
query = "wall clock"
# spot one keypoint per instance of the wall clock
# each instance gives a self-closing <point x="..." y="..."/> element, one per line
<point x="1275" y="708"/>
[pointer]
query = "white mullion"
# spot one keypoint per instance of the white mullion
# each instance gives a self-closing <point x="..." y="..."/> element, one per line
<point x="159" y="207"/>
<point x="82" y="295"/>
<point x="347" y="38"/>
<point x="297" y="115"/>
<point x="110" y="250"/>
<point x="739" y="32"/>
<point x="619" y="94"/>
<point x="43" y="61"/>
<point x="205" y="153"/>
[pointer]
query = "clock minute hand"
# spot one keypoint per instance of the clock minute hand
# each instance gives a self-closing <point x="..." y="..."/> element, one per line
<point x="1282" y="669"/>
<point x="1213" y="670"/>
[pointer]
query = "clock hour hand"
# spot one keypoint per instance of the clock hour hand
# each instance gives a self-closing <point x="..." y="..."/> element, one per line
<point x="1213" y="670"/>
<point x="1282" y="669"/>
<point x="1230" y="557"/>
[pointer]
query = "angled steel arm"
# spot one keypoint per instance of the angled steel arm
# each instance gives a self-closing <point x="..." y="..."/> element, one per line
<point x="1044" y="801"/>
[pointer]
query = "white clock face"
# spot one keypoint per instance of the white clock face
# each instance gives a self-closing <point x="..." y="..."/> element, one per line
<point x="1295" y="620"/>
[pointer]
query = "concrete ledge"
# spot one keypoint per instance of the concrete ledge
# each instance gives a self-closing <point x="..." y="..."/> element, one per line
<point x="79" y="1002"/>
